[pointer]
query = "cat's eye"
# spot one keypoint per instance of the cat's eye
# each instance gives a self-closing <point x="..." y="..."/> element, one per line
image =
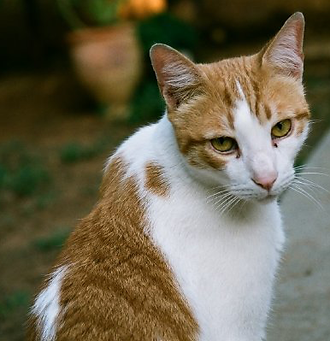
<point x="281" y="129"/>
<point x="224" y="144"/>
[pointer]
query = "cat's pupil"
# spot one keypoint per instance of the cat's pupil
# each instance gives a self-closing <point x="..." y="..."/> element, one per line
<point x="280" y="125"/>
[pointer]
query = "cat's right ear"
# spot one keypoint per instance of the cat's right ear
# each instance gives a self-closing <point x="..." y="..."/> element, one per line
<point x="285" y="52"/>
<point x="178" y="77"/>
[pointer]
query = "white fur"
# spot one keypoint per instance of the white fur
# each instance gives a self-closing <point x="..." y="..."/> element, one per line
<point x="224" y="264"/>
<point x="179" y="75"/>
<point x="46" y="307"/>
<point x="259" y="157"/>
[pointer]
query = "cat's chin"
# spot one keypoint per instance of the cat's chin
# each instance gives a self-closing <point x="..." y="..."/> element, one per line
<point x="268" y="199"/>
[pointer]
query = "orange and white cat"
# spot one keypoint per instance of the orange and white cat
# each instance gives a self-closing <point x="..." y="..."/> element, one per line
<point x="186" y="237"/>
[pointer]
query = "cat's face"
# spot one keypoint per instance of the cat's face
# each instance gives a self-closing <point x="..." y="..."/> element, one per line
<point x="240" y="122"/>
<point x="245" y="130"/>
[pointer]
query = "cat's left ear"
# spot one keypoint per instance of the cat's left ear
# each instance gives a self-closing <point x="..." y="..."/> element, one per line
<point x="178" y="77"/>
<point x="284" y="53"/>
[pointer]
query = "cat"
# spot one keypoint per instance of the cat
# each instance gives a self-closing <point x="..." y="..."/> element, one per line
<point x="185" y="240"/>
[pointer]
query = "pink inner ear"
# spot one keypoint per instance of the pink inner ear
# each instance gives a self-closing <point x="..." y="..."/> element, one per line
<point x="285" y="52"/>
<point x="177" y="76"/>
<point x="158" y="60"/>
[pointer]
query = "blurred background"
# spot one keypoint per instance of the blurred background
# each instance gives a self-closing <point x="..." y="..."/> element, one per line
<point x="75" y="80"/>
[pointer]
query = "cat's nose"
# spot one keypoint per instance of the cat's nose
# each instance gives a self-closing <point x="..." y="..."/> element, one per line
<point x="266" y="181"/>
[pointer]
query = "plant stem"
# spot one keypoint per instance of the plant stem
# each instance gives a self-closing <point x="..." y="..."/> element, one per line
<point x="70" y="15"/>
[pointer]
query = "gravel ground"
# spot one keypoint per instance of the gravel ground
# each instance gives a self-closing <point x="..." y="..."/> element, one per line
<point x="302" y="305"/>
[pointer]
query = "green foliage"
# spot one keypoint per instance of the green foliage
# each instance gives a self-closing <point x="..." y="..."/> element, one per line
<point x="147" y="103"/>
<point x="75" y="152"/>
<point x="26" y="179"/>
<point x="20" y="171"/>
<point x="52" y="242"/>
<point x="3" y="174"/>
<point x="44" y="200"/>
<point x="82" y="13"/>
<point x="11" y="303"/>
<point x="166" y="29"/>
<point x="104" y="12"/>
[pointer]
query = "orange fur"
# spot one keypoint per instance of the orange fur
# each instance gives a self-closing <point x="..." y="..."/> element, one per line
<point x="201" y="98"/>
<point x="155" y="181"/>
<point x="210" y="114"/>
<point x="119" y="287"/>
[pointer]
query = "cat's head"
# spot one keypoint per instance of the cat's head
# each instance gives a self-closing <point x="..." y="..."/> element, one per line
<point x="239" y="122"/>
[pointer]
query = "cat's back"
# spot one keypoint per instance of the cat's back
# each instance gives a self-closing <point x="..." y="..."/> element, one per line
<point x="111" y="282"/>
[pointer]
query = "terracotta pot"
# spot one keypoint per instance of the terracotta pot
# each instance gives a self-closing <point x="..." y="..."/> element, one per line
<point x="108" y="62"/>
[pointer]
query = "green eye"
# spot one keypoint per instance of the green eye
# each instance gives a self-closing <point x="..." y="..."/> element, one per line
<point x="281" y="128"/>
<point x="224" y="144"/>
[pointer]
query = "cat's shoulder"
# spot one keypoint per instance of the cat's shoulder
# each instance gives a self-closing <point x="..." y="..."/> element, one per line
<point x="148" y="155"/>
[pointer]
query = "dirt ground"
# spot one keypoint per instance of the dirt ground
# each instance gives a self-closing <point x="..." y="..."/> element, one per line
<point x="49" y="140"/>
<point x="65" y="148"/>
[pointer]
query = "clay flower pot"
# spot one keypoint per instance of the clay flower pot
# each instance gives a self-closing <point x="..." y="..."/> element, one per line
<point x="108" y="62"/>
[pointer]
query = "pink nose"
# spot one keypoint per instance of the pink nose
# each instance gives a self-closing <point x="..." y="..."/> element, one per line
<point x="266" y="181"/>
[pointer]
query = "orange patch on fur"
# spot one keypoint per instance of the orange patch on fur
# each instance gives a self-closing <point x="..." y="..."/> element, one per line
<point x="118" y="285"/>
<point x="302" y="116"/>
<point x="210" y="114"/>
<point x="301" y="119"/>
<point x="200" y="155"/>
<point x="155" y="181"/>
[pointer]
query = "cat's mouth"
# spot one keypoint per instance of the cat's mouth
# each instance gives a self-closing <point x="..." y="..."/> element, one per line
<point x="271" y="195"/>
<point x="256" y="194"/>
<point x="258" y="197"/>
<point x="268" y="198"/>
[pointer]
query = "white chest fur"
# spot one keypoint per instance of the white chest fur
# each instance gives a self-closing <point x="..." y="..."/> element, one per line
<point x="224" y="267"/>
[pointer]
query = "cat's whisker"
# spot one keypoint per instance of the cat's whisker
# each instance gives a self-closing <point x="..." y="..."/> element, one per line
<point x="307" y="186"/>
<point x="223" y="201"/>
<point x="238" y="187"/>
<point x="217" y="198"/>
<point x="243" y="203"/>
<point x="299" y="181"/>
<point x="310" y="167"/>
<point x="307" y="195"/>
<point x="287" y="181"/>
<point x="216" y="201"/>
<point x="315" y="120"/>
<point x="216" y="195"/>
<point x="224" y="209"/>
<point x="228" y="204"/>
<point x="223" y="186"/>
<point x="223" y="198"/>
<point x="314" y="173"/>
<point x="219" y="189"/>
<point x="212" y="197"/>
<point x="311" y="184"/>
<point x="234" y="204"/>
